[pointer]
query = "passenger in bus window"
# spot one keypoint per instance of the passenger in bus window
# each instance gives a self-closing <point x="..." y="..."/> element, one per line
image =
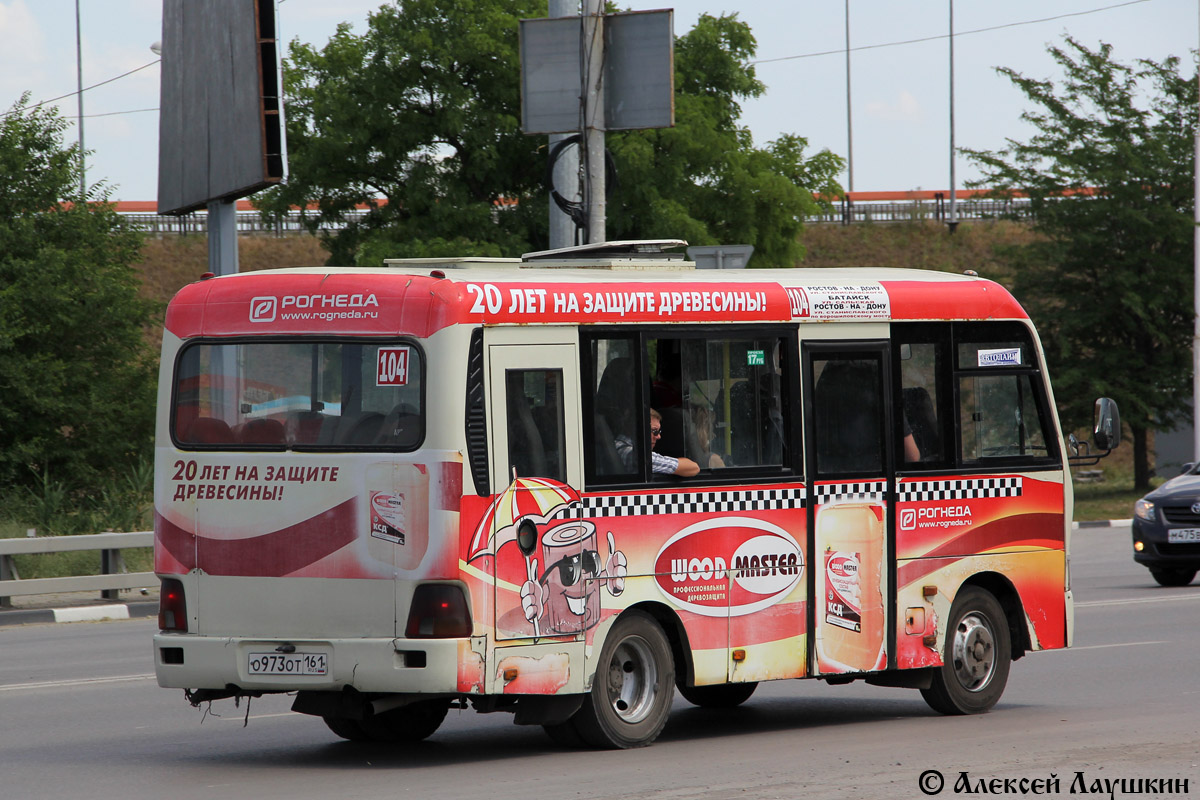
<point x="911" y="451"/>
<point x="702" y="421"/>
<point x="659" y="464"/>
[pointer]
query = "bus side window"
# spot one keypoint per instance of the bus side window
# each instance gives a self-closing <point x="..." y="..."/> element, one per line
<point x="535" y="423"/>
<point x="848" y="417"/>
<point x="919" y="364"/>
<point x="999" y="417"/>
<point x="729" y="398"/>
<point x="1002" y="407"/>
<point x="615" y="394"/>
<point x="721" y="400"/>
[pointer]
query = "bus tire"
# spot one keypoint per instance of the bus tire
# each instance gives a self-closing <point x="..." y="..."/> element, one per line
<point x="722" y="695"/>
<point x="410" y="723"/>
<point x="976" y="658"/>
<point x="633" y="688"/>
<point x="346" y="728"/>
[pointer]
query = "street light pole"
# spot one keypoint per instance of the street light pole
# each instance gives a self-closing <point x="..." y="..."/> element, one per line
<point x="953" y="224"/>
<point x="849" y="122"/>
<point x="79" y="95"/>
<point x="1196" y="298"/>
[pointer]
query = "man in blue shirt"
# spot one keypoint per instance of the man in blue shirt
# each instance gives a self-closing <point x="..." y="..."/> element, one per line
<point x="659" y="464"/>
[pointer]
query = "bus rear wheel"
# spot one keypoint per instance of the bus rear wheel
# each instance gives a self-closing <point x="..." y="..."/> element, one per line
<point x="722" y="695"/>
<point x="633" y="688"/>
<point x="976" y="659"/>
<point x="347" y="728"/>
<point x="410" y="723"/>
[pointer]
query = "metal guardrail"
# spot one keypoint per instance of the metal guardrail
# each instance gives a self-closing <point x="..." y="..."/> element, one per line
<point x="248" y="223"/>
<point x="937" y="209"/>
<point x="112" y="578"/>
<point x="844" y="212"/>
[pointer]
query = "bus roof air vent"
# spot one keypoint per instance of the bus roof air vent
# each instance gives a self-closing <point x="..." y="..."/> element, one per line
<point x="631" y="254"/>
<point x="633" y="248"/>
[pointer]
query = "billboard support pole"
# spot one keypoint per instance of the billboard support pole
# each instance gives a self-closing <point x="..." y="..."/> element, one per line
<point x="593" y="124"/>
<point x="222" y="237"/>
<point x="587" y="74"/>
<point x="566" y="170"/>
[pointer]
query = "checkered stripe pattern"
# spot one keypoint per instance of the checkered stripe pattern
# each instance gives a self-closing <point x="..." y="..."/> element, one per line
<point x="692" y="503"/>
<point x="967" y="489"/>
<point x="862" y="490"/>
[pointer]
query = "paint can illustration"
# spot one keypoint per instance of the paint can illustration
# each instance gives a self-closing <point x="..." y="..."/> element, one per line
<point x="398" y="513"/>
<point x="850" y="538"/>
<point x="572" y="566"/>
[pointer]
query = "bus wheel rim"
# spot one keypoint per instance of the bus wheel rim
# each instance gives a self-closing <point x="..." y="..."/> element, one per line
<point x="632" y="680"/>
<point x="974" y="652"/>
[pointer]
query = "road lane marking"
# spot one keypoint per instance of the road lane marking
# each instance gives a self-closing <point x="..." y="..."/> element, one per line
<point x="91" y="613"/>
<point x="1169" y="599"/>
<point x="1073" y="648"/>
<point x="239" y="718"/>
<point x="12" y="687"/>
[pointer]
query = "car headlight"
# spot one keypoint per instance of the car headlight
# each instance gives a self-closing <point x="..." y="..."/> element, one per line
<point x="1144" y="509"/>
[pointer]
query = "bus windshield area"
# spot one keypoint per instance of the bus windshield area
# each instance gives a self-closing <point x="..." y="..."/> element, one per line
<point x="312" y="395"/>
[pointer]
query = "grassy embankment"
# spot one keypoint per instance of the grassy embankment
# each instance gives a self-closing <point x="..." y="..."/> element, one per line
<point x="1113" y="497"/>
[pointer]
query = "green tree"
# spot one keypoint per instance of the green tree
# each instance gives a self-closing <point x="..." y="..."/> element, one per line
<point x="704" y="180"/>
<point x="76" y="380"/>
<point x="1109" y="172"/>
<point x="423" y="110"/>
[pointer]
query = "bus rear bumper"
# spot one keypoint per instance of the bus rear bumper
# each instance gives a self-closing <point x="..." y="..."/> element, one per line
<point x="192" y="661"/>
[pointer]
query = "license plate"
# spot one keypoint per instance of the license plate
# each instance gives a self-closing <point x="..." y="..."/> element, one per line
<point x="1183" y="535"/>
<point x="287" y="664"/>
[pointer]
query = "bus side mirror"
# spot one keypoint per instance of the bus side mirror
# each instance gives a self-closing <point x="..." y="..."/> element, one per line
<point x="1106" y="430"/>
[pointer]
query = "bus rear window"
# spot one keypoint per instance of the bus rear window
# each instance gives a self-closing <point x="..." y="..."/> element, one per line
<point x="303" y="395"/>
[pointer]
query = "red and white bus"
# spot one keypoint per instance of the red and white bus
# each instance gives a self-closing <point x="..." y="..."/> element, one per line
<point x="441" y="484"/>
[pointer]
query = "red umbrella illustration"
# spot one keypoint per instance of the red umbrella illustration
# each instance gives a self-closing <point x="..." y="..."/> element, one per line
<point x="536" y="499"/>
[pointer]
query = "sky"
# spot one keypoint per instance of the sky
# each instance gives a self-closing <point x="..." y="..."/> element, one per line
<point x="899" y="97"/>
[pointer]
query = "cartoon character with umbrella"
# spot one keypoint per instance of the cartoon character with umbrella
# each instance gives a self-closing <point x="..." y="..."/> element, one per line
<point x="565" y="597"/>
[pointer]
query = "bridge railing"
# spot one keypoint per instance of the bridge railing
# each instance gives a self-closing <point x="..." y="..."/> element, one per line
<point x="923" y="207"/>
<point x="859" y="207"/>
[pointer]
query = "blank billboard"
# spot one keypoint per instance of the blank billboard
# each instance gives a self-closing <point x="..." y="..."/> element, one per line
<point x="220" y="119"/>
<point x="639" y="72"/>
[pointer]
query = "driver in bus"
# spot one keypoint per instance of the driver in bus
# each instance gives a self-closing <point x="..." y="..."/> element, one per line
<point x="659" y="464"/>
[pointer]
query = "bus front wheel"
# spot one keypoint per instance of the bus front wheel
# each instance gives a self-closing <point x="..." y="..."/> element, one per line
<point x="633" y="688"/>
<point x="976" y="658"/>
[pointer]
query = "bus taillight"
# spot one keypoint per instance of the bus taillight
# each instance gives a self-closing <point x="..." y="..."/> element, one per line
<point x="172" y="608"/>
<point x="439" y="611"/>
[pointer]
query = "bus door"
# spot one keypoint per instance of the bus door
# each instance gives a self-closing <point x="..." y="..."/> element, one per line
<point x="847" y="420"/>
<point x="544" y="554"/>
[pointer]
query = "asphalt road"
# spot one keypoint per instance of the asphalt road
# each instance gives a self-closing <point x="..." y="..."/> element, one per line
<point x="81" y="717"/>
